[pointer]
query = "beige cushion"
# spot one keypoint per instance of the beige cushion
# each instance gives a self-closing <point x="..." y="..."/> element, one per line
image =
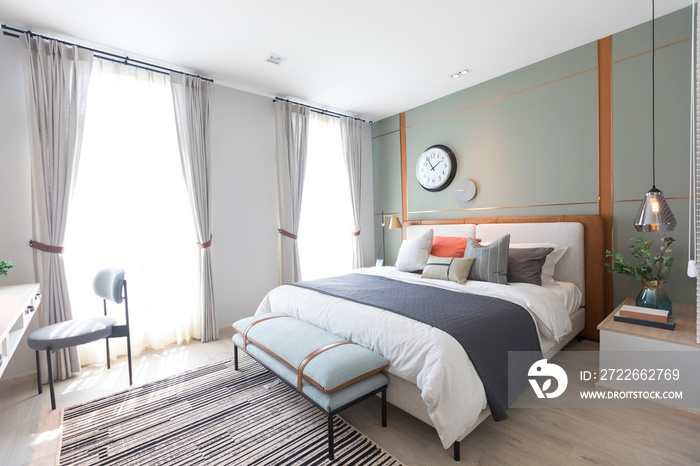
<point x="448" y="268"/>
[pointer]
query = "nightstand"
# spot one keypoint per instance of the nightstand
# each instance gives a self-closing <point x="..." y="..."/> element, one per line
<point x="621" y="336"/>
<point x="624" y="346"/>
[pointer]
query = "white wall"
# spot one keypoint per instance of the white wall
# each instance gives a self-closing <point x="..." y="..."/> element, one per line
<point x="15" y="187"/>
<point x="244" y="200"/>
<point x="244" y="196"/>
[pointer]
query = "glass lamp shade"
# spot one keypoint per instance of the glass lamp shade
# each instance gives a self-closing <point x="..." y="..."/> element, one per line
<point x="394" y="222"/>
<point x="654" y="213"/>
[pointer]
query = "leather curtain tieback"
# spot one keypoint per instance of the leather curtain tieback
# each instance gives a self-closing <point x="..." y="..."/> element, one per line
<point x="356" y="233"/>
<point x="287" y="234"/>
<point x="207" y="244"/>
<point x="45" y="247"/>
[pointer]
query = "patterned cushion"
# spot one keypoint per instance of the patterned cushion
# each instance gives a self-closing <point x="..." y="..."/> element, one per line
<point x="448" y="268"/>
<point x="491" y="262"/>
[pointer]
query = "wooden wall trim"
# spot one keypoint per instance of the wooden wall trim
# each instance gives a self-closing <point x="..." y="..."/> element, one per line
<point x="404" y="179"/>
<point x="605" y="154"/>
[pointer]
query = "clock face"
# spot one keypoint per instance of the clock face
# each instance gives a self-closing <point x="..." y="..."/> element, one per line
<point x="436" y="168"/>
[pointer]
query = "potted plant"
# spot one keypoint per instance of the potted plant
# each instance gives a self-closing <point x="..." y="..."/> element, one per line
<point x="651" y="269"/>
<point x="4" y="267"/>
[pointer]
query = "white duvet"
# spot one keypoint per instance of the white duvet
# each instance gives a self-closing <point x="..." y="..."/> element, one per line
<point x="419" y="353"/>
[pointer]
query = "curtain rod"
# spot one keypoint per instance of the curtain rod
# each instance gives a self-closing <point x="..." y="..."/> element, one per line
<point x="113" y="57"/>
<point x="322" y="111"/>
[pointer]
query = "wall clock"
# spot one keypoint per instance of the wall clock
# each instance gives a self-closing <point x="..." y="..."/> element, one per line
<point x="436" y="168"/>
<point x="466" y="190"/>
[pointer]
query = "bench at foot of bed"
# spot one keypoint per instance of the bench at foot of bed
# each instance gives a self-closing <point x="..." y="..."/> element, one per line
<point x="330" y="372"/>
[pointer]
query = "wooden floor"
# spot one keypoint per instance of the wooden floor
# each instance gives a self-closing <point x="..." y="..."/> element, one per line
<point x="29" y="430"/>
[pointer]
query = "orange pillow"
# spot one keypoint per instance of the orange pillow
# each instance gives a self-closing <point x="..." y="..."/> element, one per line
<point x="448" y="246"/>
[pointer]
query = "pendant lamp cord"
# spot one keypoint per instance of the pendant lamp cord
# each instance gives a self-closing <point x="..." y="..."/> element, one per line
<point x="653" y="100"/>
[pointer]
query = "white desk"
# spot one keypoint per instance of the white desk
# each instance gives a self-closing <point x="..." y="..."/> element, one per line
<point x="18" y="304"/>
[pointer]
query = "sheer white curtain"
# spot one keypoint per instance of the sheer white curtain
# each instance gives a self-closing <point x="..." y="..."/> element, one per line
<point x="131" y="210"/>
<point x="325" y="239"/>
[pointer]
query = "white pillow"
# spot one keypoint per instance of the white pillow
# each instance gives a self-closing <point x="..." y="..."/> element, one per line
<point x="551" y="261"/>
<point x="414" y="253"/>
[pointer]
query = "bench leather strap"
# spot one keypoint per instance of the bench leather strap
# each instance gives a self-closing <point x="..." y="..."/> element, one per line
<point x="247" y="329"/>
<point x="313" y="354"/>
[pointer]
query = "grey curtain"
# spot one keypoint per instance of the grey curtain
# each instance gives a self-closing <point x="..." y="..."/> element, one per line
<point x="191" y="102"/>
<point x="351" y="136"/>
<point x="56" y="78"/>
<point x="291" y="126"/>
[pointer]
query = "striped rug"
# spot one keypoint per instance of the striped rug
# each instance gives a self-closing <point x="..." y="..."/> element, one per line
<point x="211" y="415"/>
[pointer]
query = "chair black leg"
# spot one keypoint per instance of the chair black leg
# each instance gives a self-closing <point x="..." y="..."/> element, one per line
<point x="235" y="357"/>
<point x="107" y="346"/>
<point x="128" y="352"/>
<point x="38" y="372"/>
<point x="456" y="452"/>
<point x="48" y="365"/>
<point x="331" y="454"/>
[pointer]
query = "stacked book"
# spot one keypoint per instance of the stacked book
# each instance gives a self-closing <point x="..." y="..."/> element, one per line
<point x="645" y="316"/>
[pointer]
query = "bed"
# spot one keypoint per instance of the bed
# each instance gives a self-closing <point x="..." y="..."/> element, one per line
<point x="435" y="380"/>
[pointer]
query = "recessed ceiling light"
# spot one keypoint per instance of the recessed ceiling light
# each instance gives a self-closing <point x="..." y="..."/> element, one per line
<point x="275" y="59"/>
<point x="461" y="73"/>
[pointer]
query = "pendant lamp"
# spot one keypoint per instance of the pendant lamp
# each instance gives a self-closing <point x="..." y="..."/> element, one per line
<point x="654" y="213"/>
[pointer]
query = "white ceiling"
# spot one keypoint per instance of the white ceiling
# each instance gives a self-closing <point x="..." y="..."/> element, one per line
<point x="370" y="58"/>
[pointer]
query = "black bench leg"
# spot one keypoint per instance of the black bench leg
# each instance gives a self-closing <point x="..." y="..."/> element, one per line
<point x="331" y="455"/>
<point x="384" y="407"/>
<point x="456" y="452"/>
<point x="48" y="365"/>
<point x="579" y="337"/>
<point x="38" y="372"/>
<point x="235" y="357"/>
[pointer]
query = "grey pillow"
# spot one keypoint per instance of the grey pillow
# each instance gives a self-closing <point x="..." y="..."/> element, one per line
<point x="491" y="262"/>
<point x="525" y="265"/>
<point x="454" y="269"/>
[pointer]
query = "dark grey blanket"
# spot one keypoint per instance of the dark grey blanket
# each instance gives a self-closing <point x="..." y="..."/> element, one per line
<point x="488" y="328"/>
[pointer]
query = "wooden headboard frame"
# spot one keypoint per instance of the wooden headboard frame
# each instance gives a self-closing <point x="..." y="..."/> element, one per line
<point x="594" y="252"/>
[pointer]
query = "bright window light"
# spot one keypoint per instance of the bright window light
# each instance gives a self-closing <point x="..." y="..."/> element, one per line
<point x="130" y="210"/>
<point x="325" y="226"/>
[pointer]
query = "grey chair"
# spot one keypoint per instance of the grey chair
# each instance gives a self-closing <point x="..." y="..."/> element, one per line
<point x="109" y="284"/>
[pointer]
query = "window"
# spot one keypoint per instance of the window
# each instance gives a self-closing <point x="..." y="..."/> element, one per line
<point x="130" y="210"/>
<point x="325" y="225"/>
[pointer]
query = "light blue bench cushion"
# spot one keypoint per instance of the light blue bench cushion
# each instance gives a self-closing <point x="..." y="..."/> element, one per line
<point x="291" y="340"/>
<point x="328" y="401"/>
<point x="71" y="333"/>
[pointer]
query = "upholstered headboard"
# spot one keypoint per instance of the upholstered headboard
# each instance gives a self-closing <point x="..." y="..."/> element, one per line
<point x="582" y="234"/>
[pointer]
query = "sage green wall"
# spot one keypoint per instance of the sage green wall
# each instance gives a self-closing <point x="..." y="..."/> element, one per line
<point x="632" y="138"/>
<point x="529" y="140"/>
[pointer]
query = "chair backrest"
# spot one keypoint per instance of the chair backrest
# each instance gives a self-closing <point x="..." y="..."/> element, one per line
<point x="108" y="284"/>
